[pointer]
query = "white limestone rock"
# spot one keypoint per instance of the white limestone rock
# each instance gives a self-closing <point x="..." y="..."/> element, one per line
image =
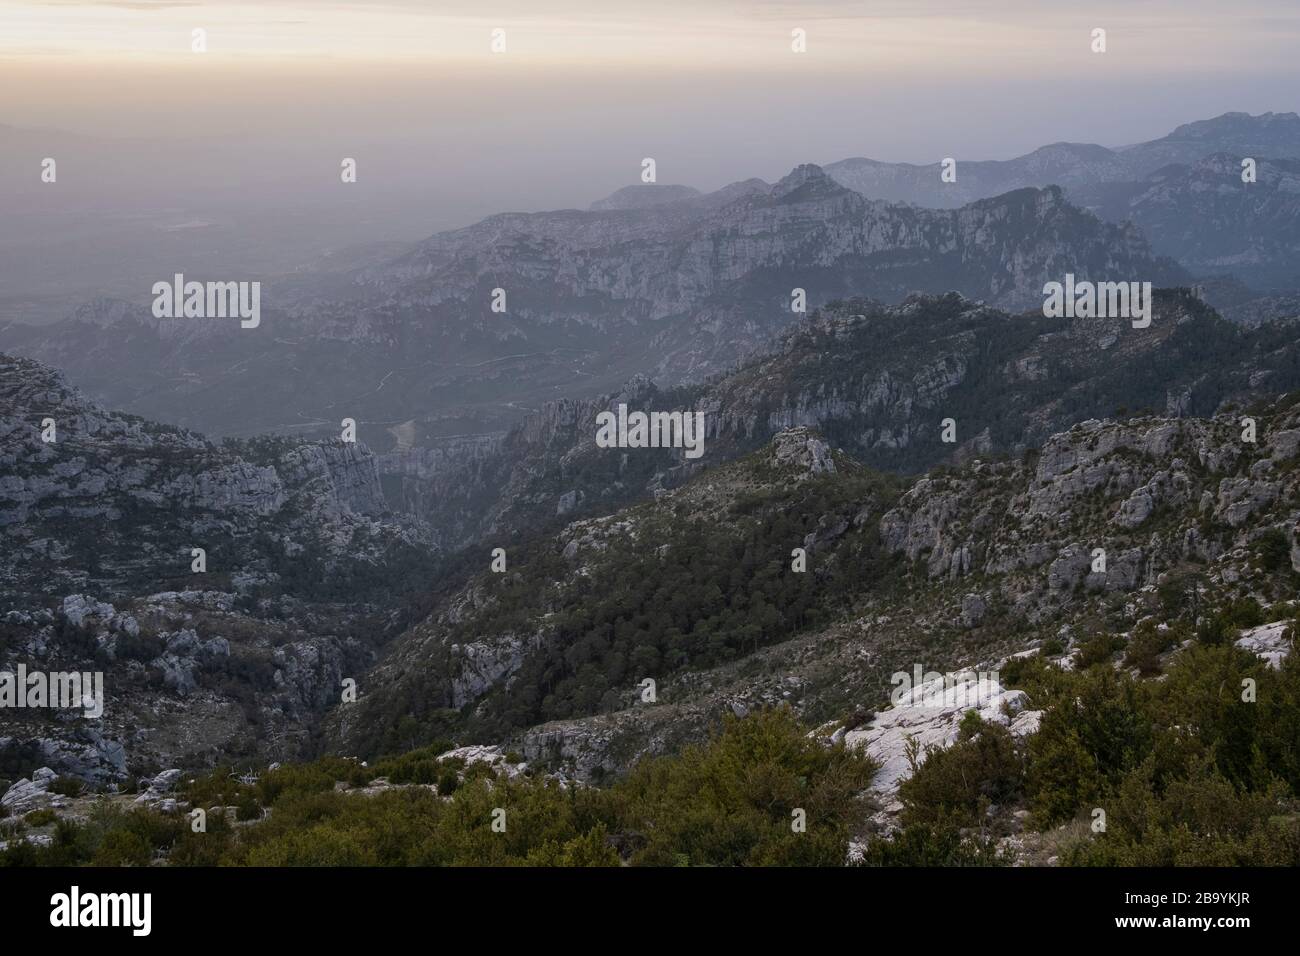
<point x="160" y="788"/>
<point x="490" y="755"/>
<point x="29" y="794"/>
<point x="930" y="714"/>
<point x="1269" y="641"/>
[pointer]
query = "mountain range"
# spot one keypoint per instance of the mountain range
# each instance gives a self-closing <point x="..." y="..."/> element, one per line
<point x="1073" y="165"/>
<point x="680" y="286"/>
<point x="472" y="593"/>
<point x="412" y="349"/>
<point x="319" y="555"/>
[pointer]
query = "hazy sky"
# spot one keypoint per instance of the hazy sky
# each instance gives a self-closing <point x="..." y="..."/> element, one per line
<point x="585" y="90"/>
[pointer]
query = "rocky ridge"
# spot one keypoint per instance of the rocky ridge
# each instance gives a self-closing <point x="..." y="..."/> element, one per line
<point x="1107" y="523"/>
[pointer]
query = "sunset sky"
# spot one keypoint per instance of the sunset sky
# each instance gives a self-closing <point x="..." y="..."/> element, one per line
<point x="710" y="34"/>
<point x="586" y="89"/>
<point x="943" y="35"/>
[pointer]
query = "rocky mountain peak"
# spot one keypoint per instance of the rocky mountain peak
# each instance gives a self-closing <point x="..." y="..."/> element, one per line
<point x="802" y="449"/>
<point x="806" y="181"/>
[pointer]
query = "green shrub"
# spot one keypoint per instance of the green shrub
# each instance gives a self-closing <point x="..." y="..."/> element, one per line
<point x="1216" y="630"/>
<point x="954" y="787"/>
<point x="1244" y="612"/>
<point x="1098" y="649"/>
<point x="1273" y="551"/>
<point x="923" y="845"/>
<point x="1092" y="734"/>
<point x="732" y="802"/>
<point x="67" y="786"/>
<point x="448" y="781"/>
<point x="1146" y="645"/>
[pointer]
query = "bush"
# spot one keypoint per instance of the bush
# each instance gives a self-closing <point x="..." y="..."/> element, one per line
<point x="1146" y="645"/>
<point x="448" y="781"/>
<point x="923" y="845"/>
<point x="954" y="787"/>
<point x="67" y="786"/>
<point x="1244" y="612"/>
<point x="1216" y="631"/>
<point x="1093" y="733"/>
<point x="1200" y="819"/>
<point x="1098" y="649"/>
<point x="1273" y="551"/>
<point x="732" y="802"/>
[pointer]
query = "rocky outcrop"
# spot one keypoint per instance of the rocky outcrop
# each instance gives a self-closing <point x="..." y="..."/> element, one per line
<point x="482" y="665"/>
<point x="800" y="448"/>
<point x="490" y="756"/>
<point x="100" y="518"/>
<point x="152" y="493"/>
<point x="159" y="791"/>
<point x="1107" y="507"/>
<point x="30" y="794"/>
<point x="929" y="716"/>
<point x="1272" y="642"/>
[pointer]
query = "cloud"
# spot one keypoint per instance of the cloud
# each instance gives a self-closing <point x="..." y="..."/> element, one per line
<point x="121" y="4"/>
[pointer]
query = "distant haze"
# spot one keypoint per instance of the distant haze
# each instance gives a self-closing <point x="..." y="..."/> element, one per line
<point x="247" y="138"/>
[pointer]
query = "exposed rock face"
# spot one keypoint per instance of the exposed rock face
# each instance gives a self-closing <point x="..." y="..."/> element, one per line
<point x="1272" y="642"/>
<point x="1239" y="498"/>
<point x="160" y="788"/>
<point x="798" y="446"/>
<point x="492" y="756"/>
<point x="443" y="485"/>
<point x="973" y="609"/>
<point x="343" y="476"/>
<point x="928" y="715"/>
<point x="30" y="794"/>
<point x="184" y="655"/>
<point x="672" y="256"/>
<point x="83" y="753"/>
<point x="1203" y="215"/>
<point x="874" y="381"/>
<point x="148" y="486"/>
<point x="97" y="530"/>
<point x="1082" y="516"/>
<point x="483" y="664"/>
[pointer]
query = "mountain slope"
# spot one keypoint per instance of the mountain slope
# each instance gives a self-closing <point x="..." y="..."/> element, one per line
<point x="306" y="572"/>
<point x="1271" y="135"/>
<point x="967" y="567"/>
<point x="877" y="381"/>
<point x="1205" y="217"/>
<point x="1073" y="165"/>
<point x="1060" y="164"/>
<point x="414" y="351"/>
